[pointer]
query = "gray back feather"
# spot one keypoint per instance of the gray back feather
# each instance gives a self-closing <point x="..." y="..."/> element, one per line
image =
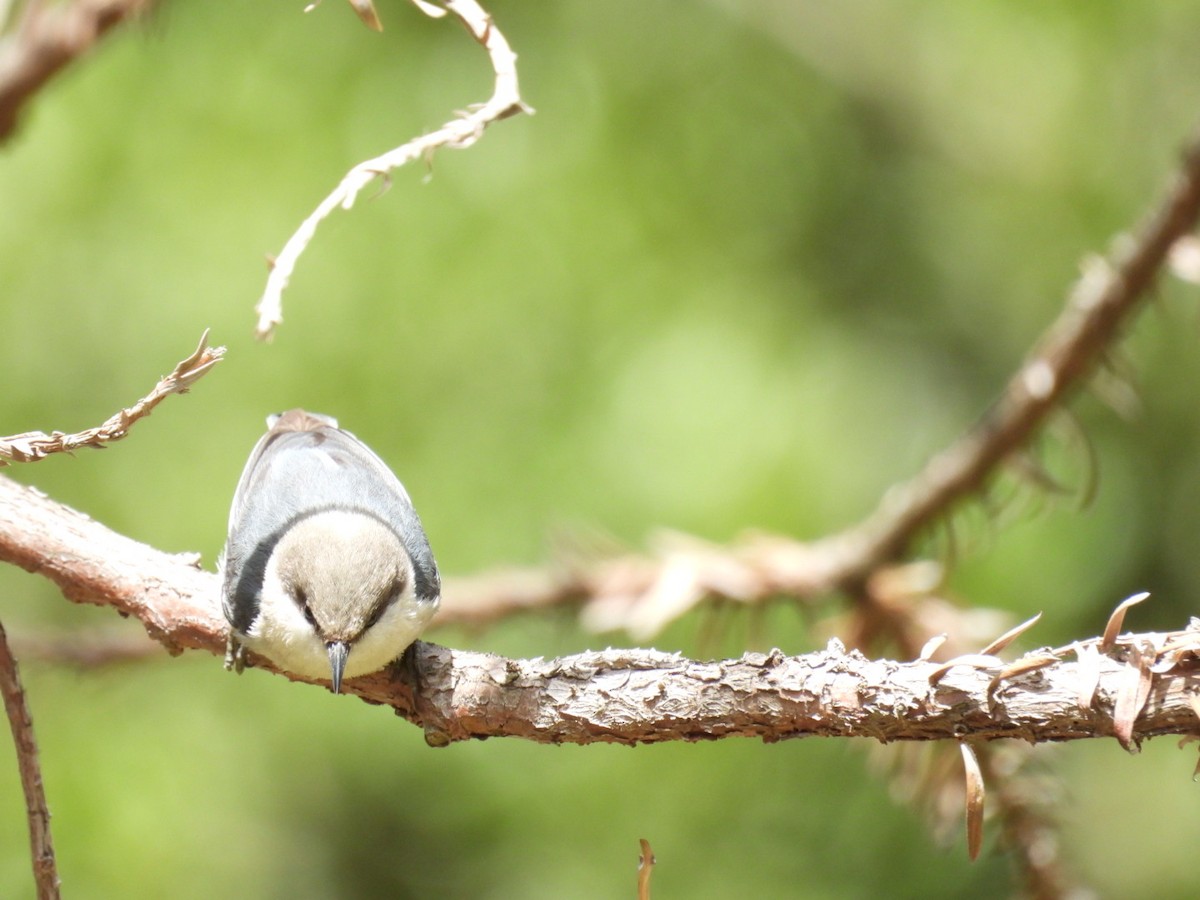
<point x="305" y="464"/>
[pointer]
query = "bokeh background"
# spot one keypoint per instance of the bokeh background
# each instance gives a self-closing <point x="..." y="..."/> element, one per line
<point x="749" y="264"/>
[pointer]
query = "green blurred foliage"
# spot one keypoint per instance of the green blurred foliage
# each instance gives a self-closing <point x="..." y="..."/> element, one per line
<point x="749" y="264"/>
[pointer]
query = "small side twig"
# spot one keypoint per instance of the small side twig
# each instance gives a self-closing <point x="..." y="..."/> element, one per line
<point x="45" y="872"/>
<point x="35" y="445"/>
<point x="459" y="133"/>
<point x="646" y="863"/>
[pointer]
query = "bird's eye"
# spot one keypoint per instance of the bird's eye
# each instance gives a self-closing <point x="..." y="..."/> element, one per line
<point x="302" y="602"/>
<point x="376" y="615"/>
<point x="385" y="601"/>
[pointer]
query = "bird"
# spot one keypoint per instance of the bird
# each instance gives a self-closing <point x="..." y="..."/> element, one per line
<point x="327" y="571"/>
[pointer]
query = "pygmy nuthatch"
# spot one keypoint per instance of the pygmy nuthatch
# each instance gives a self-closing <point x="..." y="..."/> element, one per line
<point x="327" y="570"/>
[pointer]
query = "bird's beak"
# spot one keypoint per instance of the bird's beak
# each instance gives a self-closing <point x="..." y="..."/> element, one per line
<point x="338" y="651"/>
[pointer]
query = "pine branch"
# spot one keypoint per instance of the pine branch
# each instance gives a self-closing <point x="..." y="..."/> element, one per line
<point x="1130" y="687"/>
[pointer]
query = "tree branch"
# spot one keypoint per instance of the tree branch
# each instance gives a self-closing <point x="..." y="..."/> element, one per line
<point x="45" y="871"/>
<point x="459" y="133"/>
<point x="1137" y="687"/>
<point x="49" y="37"/>
<point x="35" y="445"/>
<point x="169" y="594"/>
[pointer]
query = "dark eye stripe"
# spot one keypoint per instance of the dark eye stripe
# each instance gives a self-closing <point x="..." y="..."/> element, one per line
<point x="376" y="615"/>
<point x="301" y="599"/>
<point x="387" y="600"/>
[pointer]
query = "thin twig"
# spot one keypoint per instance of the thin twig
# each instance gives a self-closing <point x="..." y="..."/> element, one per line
<point x="50" y="36"/>
<point x="35" y="445"/>
<point x="45" y="872"/>
<point x="646" y="863"/>
<point x="458" y="133"/>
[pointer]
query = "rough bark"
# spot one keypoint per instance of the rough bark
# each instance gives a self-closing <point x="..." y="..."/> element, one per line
<point x="1132" y="688"/>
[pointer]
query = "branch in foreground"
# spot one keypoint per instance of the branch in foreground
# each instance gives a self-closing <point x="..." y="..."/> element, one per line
<point x="35" y="445"/>
<point x="48" y="38"/>
<point x="644" y="696"/>
<point x="1130" y="687"/>
<point x="175" y="601"/>
<point x="459" y="133"/>
<point x="45" y="871"/>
